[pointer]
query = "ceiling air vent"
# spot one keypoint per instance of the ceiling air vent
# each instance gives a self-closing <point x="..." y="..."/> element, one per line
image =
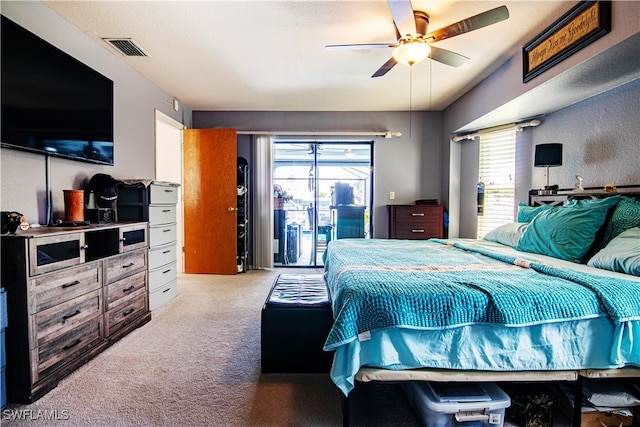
<point x="127" y="47"/>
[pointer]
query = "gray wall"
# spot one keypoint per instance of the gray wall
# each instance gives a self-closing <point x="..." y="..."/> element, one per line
<point x="409" y="165"/>
<point x="23" y="174"/>
<point x="600" y="134"/>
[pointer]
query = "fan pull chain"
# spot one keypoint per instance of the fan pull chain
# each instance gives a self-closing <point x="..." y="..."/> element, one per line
<point x="410" y="98"/>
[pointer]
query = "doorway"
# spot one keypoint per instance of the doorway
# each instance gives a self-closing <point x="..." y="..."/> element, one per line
<point x="322" y="191"/>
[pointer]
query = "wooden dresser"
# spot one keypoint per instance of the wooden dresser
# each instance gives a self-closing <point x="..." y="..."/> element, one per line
<point x="71" y="293"/>
<point x="415" y="221"/>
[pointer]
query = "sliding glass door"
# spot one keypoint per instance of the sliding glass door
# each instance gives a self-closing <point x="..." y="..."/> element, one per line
<point x="322" y="191"/>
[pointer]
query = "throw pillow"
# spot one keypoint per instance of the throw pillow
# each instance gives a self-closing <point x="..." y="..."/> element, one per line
<point x="565" y="233"/>
<point x="626" y="215"/>
<point x="622" y="254"/>
<point x="507" y="234"/>
<point x="526" y="213"/>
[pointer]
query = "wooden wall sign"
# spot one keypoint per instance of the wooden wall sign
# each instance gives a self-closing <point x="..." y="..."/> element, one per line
<point x="586" y="22"/>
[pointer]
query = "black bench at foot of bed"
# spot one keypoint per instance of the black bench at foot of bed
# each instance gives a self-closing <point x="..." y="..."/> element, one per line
<point x="296" y="319"/>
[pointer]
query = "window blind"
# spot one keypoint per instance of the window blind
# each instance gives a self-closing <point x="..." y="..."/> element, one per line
<point x="497" y="173"/>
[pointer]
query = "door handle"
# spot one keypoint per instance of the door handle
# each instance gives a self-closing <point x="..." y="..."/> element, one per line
<point x="231" y="209"/>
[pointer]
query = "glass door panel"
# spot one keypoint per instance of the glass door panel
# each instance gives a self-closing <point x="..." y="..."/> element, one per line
<point x="322" y="191"/>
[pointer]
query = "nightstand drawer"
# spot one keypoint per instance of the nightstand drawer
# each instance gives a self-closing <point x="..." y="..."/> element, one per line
<point x="54" y="288"/>
<point x="416" y="231"/>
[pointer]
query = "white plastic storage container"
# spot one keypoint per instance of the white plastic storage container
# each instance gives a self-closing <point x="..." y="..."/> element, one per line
<point x="457" y="404"/>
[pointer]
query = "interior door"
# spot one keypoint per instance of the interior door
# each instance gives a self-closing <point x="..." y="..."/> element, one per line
<point x="210" y="198"/>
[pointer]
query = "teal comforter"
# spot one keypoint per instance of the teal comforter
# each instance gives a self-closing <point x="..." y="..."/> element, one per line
<point x="435" y="285"/>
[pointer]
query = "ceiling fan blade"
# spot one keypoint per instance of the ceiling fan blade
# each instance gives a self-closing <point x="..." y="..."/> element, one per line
<point x="402" y="13"/>
<point x="470" y="24"/>
<point x="447" y="57"/>
<point x="385" y="68"/>
<point x="359" y="46"/>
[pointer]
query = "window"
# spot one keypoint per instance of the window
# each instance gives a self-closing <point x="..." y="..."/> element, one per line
<point x="496" y="183"/>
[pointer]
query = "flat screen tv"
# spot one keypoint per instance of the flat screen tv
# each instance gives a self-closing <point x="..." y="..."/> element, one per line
<point x="52" y="103"/>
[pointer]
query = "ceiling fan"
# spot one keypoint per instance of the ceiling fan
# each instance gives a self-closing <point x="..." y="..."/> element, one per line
<point x="414" y="43"/>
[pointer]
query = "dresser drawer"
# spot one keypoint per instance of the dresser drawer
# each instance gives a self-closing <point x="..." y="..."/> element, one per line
<point x="54" y="288"/>
<point x="162" y="275"/>
<point x="416" y="213"/>
<point x="66" y="316"/>
<point x="131" y="309"/>
<point x="122" y="289"/>
<point x="417" y="231"/>
<point x="163" y="295"/>
<point x="123" y="265"/>
<point x="162" y="214"/>
<point x="162" y="234"/>
<point x="162" y="255"/>
<point x="163" y="194"/>
<point x="68" y="345"/>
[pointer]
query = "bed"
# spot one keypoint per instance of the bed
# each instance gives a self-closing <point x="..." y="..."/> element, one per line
<point x="554" y="296"/>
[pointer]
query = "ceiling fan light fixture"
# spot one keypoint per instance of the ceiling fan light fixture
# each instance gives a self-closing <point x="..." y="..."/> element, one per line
<point x="411" y="52"/>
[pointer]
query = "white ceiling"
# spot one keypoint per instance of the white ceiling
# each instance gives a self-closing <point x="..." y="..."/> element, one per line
<point x="270" y="55"/>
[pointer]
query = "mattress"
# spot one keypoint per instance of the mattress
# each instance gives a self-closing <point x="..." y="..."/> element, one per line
<point x="590" y="318"/>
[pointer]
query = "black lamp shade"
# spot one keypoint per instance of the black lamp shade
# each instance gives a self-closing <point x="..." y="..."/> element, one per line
<point x="548" y="155"/>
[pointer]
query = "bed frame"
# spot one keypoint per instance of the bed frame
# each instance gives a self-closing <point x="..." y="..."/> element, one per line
<point x="367" y="374"/>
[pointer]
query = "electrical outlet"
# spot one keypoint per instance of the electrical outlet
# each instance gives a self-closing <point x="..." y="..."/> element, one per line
<point x="392" y="195"/>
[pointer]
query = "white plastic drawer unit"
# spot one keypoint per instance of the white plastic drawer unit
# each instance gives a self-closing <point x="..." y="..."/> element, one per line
<point x="160" y="194"/>
<point x="162" y="214"/>
<point x="161" y="255"/>
<point x="162" y="234"/>
<point x="162" y="275"/>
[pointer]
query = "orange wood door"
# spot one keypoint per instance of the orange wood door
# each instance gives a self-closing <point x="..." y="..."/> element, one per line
<point x="210" y="199"/>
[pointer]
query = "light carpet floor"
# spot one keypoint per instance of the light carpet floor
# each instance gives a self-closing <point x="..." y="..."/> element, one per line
<point x="197" y="363"/>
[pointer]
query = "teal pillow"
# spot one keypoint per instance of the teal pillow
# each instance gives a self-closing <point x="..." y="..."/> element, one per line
<point x="626" y="215"/>
<point x="527" y="213"/>
<point x="622" y="254"/>
<point x="566" y="232"/>
<point x="507" y="234"/>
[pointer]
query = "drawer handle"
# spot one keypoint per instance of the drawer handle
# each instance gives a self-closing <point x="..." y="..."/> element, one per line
<point x="124" y="239"/>
<point x="417" y="214"/>
<point x="166" y="210"/>
<point x="69" y="316"/>
<point x="166" y="252"/>
<point x="167" y="230"/>
<point x="68" y="285"/>
<point x="128" y="265"/>
<point x="129" y="289"/>
<point x="166" y="271"/>
<point x="84" y="247"/>
<point x="417" y="230"/>
<point x="73" y="344"/>
<point x="166" y="290"/>
<point x="128" y="312"/>
<point x="168" y="191"/>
